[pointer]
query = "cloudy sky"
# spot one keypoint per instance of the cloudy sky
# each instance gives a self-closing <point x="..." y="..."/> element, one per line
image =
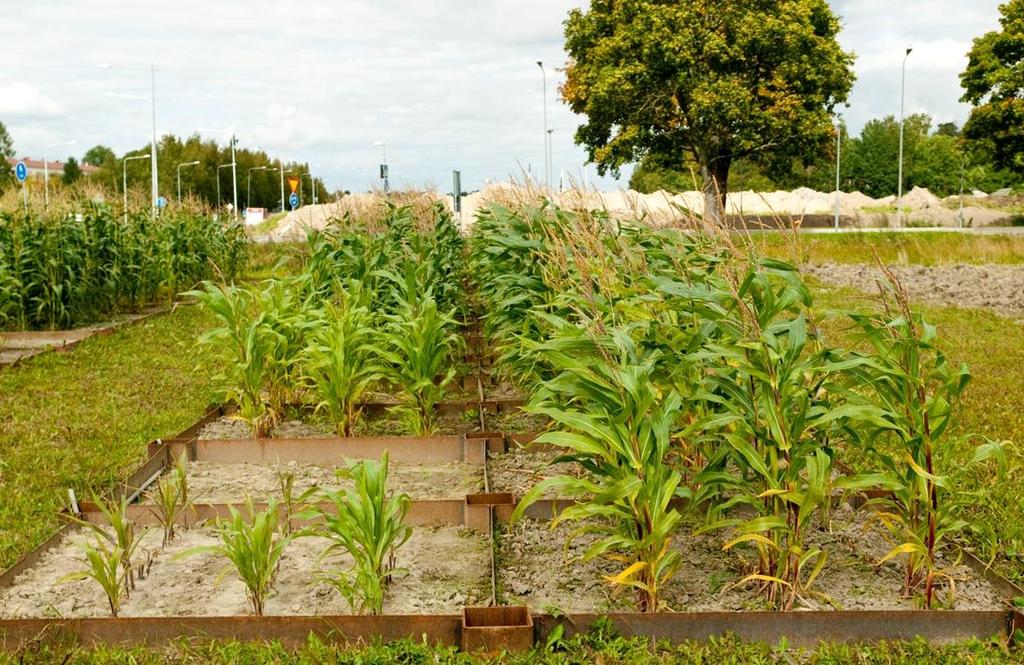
<point x="445" y="83"/>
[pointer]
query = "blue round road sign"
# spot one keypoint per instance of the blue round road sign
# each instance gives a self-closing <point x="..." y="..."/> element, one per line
<point x="293" y="200"/>
<point x="161" y="202"/>
<point x="21" y="171"/>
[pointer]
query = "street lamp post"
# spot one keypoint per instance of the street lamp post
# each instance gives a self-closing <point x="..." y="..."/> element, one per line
<point x="124" y="181"/>
<point x="839" y="148"/>
<point x="280" y="165"/>
<point x="154" y="180"/>
<point x="46" y="171"/>
<point x="234" y="167"/>
<point x="221" y="166"/>
<point x="248" y="188"/>
<point x="544" y="80"/>
<point x="899" y="186"/>
<point x="195" y="163"/>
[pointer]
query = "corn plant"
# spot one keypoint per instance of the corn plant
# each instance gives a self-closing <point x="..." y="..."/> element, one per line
<point x="780" y="420"/>
<point x="369" y="525"/>
<point x="106" y="569"/>
<point x="910" y="391"/>
<point x="418" y="346"/>
<point x="171" y="499"/>
<point x="119" y="532"/>
<point x="245" y="341"/>
<point x="341" y="363"/>
<point x="253" y="547"/>
<point x="612" y="419"/>
<point x="291" y="505"/>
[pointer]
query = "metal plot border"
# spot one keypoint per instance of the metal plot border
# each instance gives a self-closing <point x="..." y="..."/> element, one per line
<point x="501" y="627"/>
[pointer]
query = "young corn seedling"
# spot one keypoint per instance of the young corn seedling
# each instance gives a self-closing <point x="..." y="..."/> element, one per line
<point x="291" y="505"/>
<point x="171" y="499"/>
<point x="419" y="344"/>
<point x="369" y="525"/>
<point x="106" y="569"/>
<point x="910" y="391"/>
<point x="341" y="363"/>
<point x="253" y="548"/>
<point x="612" y="419"/>
<point x="121" y="534"/>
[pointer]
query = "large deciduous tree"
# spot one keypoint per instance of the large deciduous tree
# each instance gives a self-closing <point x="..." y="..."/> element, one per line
<point x="994" y="84"/>
<point x="707" y="80"/>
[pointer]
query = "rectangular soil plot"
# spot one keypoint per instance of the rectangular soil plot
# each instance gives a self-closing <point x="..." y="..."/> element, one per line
<point x="448" y="568"/>
<point x="535" y="568"/>
<point x="210" y="482"/>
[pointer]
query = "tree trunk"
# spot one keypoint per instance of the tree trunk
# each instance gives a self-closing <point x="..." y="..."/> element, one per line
<point x="715" y="186"/>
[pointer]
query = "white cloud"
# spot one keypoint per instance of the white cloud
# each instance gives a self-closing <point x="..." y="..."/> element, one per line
<point x="288" y="128"/>
<point x="447" y="83"/>
<point x="21" y="99"/>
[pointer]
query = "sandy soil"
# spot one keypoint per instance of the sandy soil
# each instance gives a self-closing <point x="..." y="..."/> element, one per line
<point x="996" y="287"/>
<point x="448" y="568"/>
<point x="536" y="568"/>
<point x="517" y="472"/>
<point x="227" y="483"/>
<point x="378" y="424"/>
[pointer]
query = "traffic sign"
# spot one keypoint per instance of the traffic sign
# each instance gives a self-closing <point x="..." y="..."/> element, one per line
<point x="161" y="202"/>
<point x="21" y="171"/>
<point x="293" y="200"/>
<point x="293" y="182"/>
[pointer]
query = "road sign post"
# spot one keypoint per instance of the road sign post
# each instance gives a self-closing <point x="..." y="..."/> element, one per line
<point x="457" y="192"/>
<point x="21" y="173"/>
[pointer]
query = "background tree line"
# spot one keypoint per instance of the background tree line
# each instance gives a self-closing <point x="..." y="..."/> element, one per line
<point x="936" y="158"/>
<point x="199" y="181"/>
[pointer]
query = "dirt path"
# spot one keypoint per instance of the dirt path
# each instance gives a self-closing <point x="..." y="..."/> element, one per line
<point x="996" y="287"/>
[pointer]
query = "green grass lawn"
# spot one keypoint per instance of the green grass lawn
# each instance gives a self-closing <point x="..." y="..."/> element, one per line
<point x="931" y="248"/>
<point x="82" y="419"/>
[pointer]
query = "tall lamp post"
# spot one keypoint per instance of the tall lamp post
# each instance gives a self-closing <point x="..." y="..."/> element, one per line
<point x="219" y="167"/>
<point x="233" y="164"/>
<point x="839" y="149"/>
<point x="46" y="171"/>
<point x="154" y="186"/>
<point x="544" y="80"/>
<point x="194" y="163"/>
<point x="384" y="171"/>
<point x="899" y="186"/>
<point x="248" y="188"/>
<point x="124" y="181"/>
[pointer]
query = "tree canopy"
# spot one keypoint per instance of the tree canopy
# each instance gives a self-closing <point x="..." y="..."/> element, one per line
<point x="6" y="152"/>
<point x="994" y="84"/>
<point x="710" y="81"/>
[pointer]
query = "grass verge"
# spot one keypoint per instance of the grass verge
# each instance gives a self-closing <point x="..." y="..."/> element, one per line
<point x="82" y="419"/>
<point x="598" y="646"/>
<point x="931" y="248"/>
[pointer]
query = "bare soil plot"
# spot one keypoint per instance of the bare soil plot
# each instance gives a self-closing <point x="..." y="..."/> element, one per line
<point x="518" y="471"/>
<point x="369" y="424"/>
<point x="996" y="287"/>
<point x="448" y="568"/>
<point x="228" y="483"/>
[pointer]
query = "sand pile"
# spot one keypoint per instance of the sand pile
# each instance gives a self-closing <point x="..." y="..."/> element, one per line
<point x="857" y="209"/>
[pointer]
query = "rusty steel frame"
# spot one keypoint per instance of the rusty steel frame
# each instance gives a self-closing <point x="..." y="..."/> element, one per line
<point x="495" y="627"/>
